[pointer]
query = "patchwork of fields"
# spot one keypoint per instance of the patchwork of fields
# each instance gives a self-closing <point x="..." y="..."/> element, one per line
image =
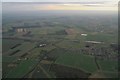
<point x="59" y="48"/>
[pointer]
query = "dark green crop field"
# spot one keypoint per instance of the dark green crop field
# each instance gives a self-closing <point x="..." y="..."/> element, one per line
<point x="79" y="61"/>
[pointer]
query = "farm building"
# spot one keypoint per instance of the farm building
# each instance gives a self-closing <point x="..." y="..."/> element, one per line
<point x="83" y="34"/>
<point x="42" y="45"/>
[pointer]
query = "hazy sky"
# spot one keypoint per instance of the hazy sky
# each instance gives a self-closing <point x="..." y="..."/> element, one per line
<point x="61" y="5"/>
<point x="59" y="0"/>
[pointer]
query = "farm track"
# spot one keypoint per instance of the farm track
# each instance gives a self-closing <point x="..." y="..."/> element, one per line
<point x="48" y="76"/>
<point x="98" y="66"/>
<point x="31" y="73"/>
<point x="35" y="68"/>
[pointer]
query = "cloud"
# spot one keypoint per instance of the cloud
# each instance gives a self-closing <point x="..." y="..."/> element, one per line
<point x="32" y="6"/>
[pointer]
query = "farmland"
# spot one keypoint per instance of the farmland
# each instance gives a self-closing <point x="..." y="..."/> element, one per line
<point x="22" y="69"/>
<point x="78" y="61"/>
<point x="61" y="46"/>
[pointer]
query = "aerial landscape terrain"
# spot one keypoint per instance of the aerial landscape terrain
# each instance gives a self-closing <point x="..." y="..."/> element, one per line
<point x="58" y="43"/>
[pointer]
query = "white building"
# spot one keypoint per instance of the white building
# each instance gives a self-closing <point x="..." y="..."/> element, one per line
<point x="83" y="34"/>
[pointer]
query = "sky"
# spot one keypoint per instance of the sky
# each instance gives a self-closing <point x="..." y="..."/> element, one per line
<point x="107" y="5"/>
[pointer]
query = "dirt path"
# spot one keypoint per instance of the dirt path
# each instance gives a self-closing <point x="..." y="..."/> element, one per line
<point x="98" y="66"/>
<point x="30" y="75"/>
<point x="44" y="71"/>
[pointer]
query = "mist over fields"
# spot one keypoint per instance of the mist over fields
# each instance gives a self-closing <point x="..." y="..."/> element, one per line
<point x="13" y="16"/>
<point x="42" y="41"/>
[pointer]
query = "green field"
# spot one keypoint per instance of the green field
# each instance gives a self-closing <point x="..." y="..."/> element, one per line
<point x="46" y="30"/>
<point x="23" y="48"/>
<point x="68" y="44"/>
<point x="8" y="43"/>
<point x="102" y="37"/>
<point x="6" y="61"/>
<point x="108" y="65"/>
<point x="80" y="61"/>
<point x="8" y="58"/>
<point x="22" y="69"/>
